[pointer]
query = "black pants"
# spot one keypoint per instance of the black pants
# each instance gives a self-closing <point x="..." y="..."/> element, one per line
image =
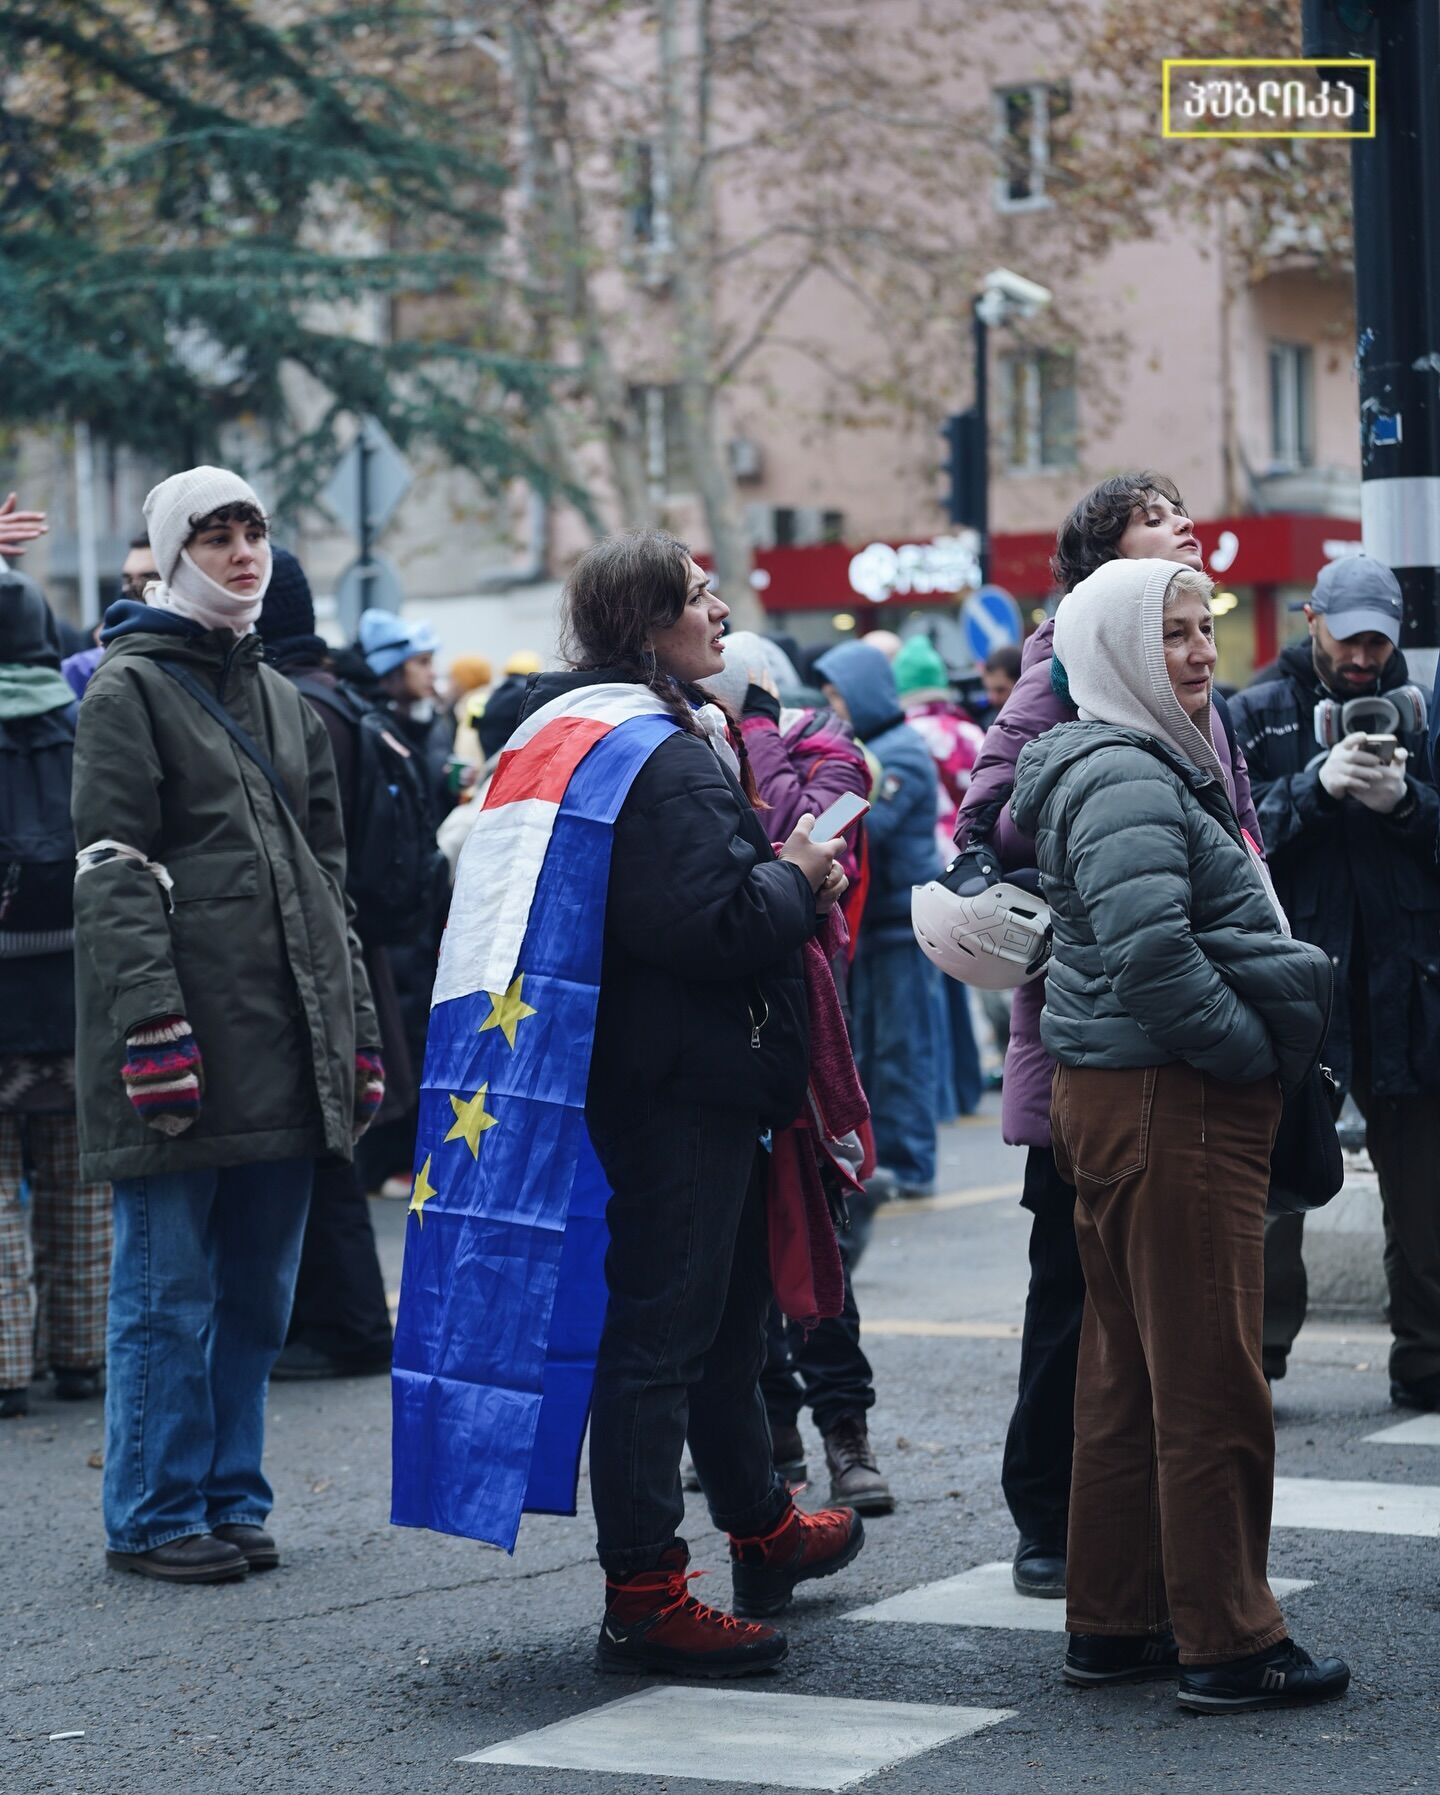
<point x="827" y="1373"/>
<point x="340" y="1308"/>
<point x="1040" y="1445"/>
<point x="684" y="1338"/>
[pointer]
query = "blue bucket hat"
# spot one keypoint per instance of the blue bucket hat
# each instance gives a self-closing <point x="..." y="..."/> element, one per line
<point x="387" y="639"/>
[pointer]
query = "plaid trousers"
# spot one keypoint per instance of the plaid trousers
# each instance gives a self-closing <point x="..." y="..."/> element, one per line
<point x="52" y="1292"/>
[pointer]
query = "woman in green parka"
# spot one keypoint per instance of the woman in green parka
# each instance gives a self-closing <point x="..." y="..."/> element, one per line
<point x="225" y="1035"/>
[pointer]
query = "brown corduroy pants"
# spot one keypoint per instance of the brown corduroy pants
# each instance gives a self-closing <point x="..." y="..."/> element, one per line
<point x="1174" y="1435"/>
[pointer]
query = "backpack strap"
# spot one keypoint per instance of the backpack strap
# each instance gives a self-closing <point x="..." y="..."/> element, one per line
<point x="242" y="738"/>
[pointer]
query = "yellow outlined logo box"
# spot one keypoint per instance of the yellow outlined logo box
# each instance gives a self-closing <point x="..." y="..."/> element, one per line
<point x="1266" y="62"/>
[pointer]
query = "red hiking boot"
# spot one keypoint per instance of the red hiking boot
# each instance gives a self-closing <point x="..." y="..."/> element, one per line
<point x="765" y="1570"/>
<point x="652" y="1622"/>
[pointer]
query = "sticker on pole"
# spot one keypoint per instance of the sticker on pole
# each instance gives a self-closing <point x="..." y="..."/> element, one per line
<point x="991" y="620"/>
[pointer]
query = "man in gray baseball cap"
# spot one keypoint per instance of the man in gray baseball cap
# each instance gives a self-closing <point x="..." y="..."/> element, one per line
<point x="1350" y="833"/>
<point x="1354" y="614"/>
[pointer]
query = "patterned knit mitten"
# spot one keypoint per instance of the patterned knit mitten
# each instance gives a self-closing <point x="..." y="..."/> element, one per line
<point x="163" y="1074"/>
<point x="369" y="1088"/>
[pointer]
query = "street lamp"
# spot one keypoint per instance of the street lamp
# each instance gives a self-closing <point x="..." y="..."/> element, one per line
<point x="1004" y="298"/>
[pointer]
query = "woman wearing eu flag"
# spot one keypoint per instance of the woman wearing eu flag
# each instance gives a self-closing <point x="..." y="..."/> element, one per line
<point x="701" y="1047"/>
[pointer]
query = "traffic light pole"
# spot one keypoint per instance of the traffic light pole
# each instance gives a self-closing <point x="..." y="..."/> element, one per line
<point x="1396" y="185"/>
<point x="981" y="521"/>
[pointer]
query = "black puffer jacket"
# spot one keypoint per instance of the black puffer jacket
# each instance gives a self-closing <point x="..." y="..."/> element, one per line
<point x="1167" y="946"/>
<point x="702" y="990"/>
<point x="1353" y="882"/>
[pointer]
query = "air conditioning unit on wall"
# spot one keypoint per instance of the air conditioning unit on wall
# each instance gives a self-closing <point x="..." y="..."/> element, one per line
<point x="747" y="459"/>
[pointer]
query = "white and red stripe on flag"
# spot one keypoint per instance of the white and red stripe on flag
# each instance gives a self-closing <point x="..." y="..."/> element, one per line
<point x="501" y="861"/>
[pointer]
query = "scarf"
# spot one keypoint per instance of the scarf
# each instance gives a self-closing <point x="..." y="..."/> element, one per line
<point x="194" y="594"/>
<point x="716" y="726"/>
<point x="30" y="691"/>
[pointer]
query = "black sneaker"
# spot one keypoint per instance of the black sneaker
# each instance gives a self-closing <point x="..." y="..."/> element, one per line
<point x="1282" y="1676"/>
<point x="1092" y="1659"/>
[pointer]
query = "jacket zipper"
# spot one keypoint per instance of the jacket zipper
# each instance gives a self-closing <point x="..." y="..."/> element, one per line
<point x="755" y="1026"/>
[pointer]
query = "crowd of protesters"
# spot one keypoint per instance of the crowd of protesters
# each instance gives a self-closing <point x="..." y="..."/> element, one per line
<point x="230" y="849"/>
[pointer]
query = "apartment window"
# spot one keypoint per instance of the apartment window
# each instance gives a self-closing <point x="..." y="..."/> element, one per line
<point x="1028" y="121"/>
<point x="1037" y="410"/>
<point x="1292" y="406"/>
<point x="667" y="448"/>
<point x="647" y="197"/>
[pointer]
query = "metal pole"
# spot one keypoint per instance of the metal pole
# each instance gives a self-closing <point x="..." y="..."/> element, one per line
<point x="982" y="434"/>
<point x="366" y="568"/>
<point x="85" y="525"/>
<point x="1396" y="181"/>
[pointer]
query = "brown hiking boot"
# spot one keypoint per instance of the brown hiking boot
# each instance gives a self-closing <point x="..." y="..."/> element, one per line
<point x="855" y="1478"/>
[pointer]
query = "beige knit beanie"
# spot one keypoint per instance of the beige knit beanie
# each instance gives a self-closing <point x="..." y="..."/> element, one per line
<point x="172" y="507"/>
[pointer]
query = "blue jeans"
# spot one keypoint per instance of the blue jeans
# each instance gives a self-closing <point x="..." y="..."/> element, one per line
<point x="896" y="1010"/>
<point x="200" y="1292"/>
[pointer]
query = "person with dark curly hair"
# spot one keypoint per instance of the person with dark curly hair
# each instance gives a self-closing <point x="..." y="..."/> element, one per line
<point x="1131" y="517"/>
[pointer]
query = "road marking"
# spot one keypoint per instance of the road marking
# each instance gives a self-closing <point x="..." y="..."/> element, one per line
<point x="903" y="1325"/>
<point x="986" y="1597"/>
<point x="732" y="1735"/>
<point x="1316" y="1502"/>
<point x="950" y="1199"/>
<point x="1423" y="1430"/>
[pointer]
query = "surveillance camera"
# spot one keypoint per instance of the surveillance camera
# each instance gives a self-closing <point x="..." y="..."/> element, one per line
<point x="1009" y="295"/>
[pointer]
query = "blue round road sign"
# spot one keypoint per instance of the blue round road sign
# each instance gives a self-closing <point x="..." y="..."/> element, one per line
<point x="991" y="618"/>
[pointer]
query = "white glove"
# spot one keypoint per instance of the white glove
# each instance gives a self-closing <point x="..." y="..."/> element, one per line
<point x="1387" y="788"/>
<point x="1349" y="769"/>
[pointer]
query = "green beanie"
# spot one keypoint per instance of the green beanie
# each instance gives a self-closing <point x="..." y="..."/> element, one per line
<point x="918" y="668"/>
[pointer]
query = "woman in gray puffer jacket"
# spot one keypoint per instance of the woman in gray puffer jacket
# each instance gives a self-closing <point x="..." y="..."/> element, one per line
<point x="1178" y="1007"/>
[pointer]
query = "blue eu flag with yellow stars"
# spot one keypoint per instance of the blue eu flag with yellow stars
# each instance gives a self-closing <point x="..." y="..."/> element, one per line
<point x="503" y="1294"/>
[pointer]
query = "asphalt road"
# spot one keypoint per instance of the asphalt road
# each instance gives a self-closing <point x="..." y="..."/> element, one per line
<point x="376" y="1658"/>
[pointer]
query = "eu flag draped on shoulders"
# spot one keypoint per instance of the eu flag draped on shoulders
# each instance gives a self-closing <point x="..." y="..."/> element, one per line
<point x="503" y="1293"/>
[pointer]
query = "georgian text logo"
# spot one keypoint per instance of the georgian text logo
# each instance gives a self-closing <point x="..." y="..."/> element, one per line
<point x="1256" y="96"/>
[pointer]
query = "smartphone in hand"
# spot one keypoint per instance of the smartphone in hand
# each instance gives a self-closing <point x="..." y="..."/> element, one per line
<point x="836" y="818"/>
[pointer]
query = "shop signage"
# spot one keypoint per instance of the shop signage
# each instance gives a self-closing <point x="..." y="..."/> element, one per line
<point x="949" y="564"/>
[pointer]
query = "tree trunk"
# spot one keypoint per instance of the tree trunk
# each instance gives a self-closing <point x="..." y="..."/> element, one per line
<point x="684" y="97"/>
<point x="557" y="216"/>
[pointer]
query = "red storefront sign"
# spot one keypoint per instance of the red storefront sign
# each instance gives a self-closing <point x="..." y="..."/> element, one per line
<point x="1282" y="549"/>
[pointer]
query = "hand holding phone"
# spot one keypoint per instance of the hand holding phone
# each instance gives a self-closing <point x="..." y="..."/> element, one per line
<point x="836" y="818"/>
<point x="1382" y="747"/>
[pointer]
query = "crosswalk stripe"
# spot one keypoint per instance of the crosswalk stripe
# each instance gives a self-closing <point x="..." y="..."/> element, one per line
<point x="1350" y="1507"/>
<point x="735" y="1735"/>
<point x="986" y="1597"/>
<point x="1422" y="1430"/>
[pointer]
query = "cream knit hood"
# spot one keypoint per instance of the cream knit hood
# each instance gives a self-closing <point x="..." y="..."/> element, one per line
<point x="1109" y="638"/>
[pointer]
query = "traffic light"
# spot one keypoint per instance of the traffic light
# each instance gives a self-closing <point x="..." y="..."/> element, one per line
<point x="1339" y="28"/>
<point x="965" y="468"/>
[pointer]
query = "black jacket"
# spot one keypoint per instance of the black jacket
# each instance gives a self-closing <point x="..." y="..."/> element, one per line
<point x="1362" y="886"/>
<point x="702" y="989"/>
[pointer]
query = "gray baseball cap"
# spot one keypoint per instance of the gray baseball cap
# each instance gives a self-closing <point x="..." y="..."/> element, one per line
<point x="1357" y="594"/>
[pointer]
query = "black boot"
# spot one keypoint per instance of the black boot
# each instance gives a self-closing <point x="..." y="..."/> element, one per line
<point x="1039" y="1569"/>
<point x="198" y="1558"/>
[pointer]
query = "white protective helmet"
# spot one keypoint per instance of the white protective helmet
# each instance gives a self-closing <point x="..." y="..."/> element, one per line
<point x="995" y="938"/>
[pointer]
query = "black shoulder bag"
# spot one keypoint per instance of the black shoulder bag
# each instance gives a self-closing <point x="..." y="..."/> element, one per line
<point x="1307" y="1167"/>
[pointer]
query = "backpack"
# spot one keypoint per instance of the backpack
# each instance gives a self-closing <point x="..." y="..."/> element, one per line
<point x="391" y="854"/>
<point x="37" y="840"/>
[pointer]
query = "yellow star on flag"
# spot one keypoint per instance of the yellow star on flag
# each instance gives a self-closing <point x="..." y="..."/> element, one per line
<point x="471" y="1120"/>
<point x="422" y="1192"/>
<point x="507" y="1011"/>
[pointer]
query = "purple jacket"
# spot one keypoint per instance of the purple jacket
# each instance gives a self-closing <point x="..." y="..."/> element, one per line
<point x="1029" y="711"/>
